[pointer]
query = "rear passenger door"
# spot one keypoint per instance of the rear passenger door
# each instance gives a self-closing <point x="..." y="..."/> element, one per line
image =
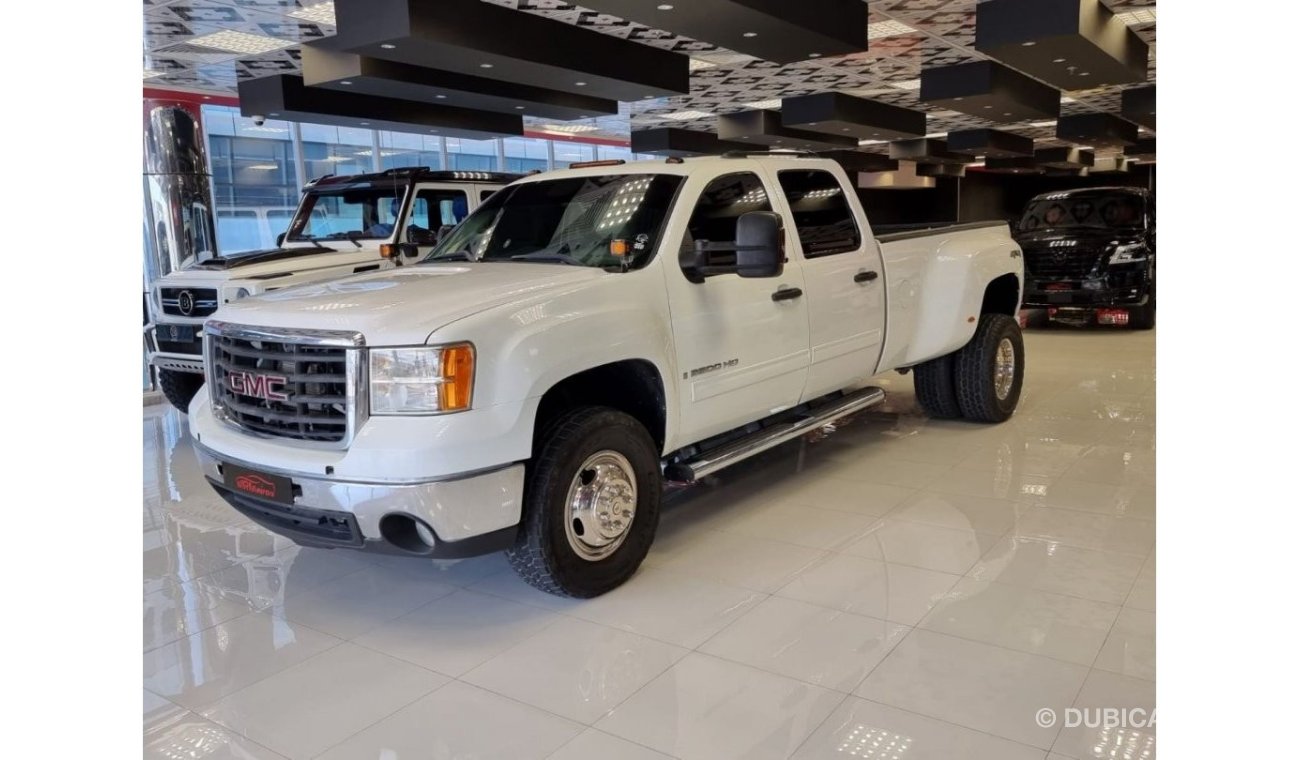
<point x="843" y="277"/>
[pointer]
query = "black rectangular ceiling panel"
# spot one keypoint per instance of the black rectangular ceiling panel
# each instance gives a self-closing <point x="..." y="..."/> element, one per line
<point x="989" y="142"/>
<point x="926" y="150"/>
<point x="990" y="91"/>
<point x="282" y="96"/>
<point x="1017" y="165"/>
<point x="675" y="141"/>
<point x="1096" y="129"/>
<point x="1142" y="150"/>
<point x="858" y="161"/>
<point x="774" y="30"/>
<point x="1138" y="104"/>
<point x="940" y="170"/>
<point x="765" y="128"/>
<point x="349" y="72"/>
<point x="1070" y="44"/>
<point x="1064" y="158"/>
<point x="835" y="114"/>
<point x="473" y="37"/>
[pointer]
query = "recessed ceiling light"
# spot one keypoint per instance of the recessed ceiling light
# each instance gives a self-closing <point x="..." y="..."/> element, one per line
<point x="485" y="65"/>
<point x="1058" y="60"/>
<point x="765" y="105"/>
<point x="581" y="84"/>
<point x="440" y="97"/>
<point x="241" y="42"/>
<point x="346" y="82"/>
<point x="665" y="7"/>
<point x="519" y="108"/>
<point x="1030" y="43"/>
<point x="814" y="55"/>
<point x="889" y="28"/>
<point x="1006" y="113"/>
<point x="365" y="123"/>
<point x="388" y="46"/>
<point x="751" y="34"/>
<point x="987" y="107"/>
<point x="320" y="13"/>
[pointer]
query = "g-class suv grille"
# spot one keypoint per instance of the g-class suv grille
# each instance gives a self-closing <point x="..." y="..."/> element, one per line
<point x="188" y="302"/>
<point x="1060" y="263"/>
<point x="289" y="384"/>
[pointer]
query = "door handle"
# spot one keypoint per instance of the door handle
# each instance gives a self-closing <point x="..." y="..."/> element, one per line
<point x="865" y="276"/>
<point x="786" y="294"/>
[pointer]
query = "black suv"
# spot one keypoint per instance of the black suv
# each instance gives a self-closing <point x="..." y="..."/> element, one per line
<point x="1092" y="250"/>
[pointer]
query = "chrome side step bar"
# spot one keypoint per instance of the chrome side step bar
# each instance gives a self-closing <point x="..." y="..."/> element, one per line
<point x="711" y="461"/>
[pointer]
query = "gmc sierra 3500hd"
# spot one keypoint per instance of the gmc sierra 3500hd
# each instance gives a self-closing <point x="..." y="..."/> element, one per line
<point x="582" y="337"/>
<point x="370" y="221"/>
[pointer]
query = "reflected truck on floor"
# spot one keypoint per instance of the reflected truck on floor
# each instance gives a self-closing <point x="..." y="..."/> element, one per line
<point x="585" y="336"/>
<point x="344" y="225"/>
<point x="1091" y="254"/>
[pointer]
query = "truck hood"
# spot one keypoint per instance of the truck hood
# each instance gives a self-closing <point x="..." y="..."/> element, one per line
<point x="258" y="265"/>
<point x="403" y="306"/>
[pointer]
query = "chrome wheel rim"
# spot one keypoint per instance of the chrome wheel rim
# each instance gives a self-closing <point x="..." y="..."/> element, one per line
<point x="1004" y="369"/>
<point x="601" y="505"/>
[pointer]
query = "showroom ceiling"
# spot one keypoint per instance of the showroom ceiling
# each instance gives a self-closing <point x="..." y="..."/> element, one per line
<point x="212" y="45"/>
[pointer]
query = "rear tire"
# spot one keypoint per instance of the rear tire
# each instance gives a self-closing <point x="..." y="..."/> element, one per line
<point x="936" y="389"/>
<point x="1143" y="317"/>
<point x="605" y="461"/>
<point x="179" y="387"/>
<point x="990" y="370"/>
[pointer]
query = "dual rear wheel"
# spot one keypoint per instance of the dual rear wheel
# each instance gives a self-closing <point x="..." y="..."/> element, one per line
<point x="981" y="381"/>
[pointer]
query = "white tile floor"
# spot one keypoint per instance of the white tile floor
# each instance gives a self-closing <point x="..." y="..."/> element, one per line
<point x="904" y="588"/>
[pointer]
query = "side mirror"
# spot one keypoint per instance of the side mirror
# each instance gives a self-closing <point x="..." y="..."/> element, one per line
<point x="421" y="236"/>
<point x="759" y="246"/>
<point x="759" y="250"/>
<point x="279" y="240"/>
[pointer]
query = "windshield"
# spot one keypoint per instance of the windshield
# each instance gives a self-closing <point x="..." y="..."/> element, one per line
<point x="610" y="221"/>
<point x="1095" y="210"/>
<point x="352" y="211"/>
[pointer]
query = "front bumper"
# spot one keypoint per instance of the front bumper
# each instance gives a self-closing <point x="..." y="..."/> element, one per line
<point x="1079" y="297"/>
<point x="468" y="515"/>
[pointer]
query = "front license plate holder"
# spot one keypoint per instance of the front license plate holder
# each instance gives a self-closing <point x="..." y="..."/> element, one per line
<point x="259" y="485"/>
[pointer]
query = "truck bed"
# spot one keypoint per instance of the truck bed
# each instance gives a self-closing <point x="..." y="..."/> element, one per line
<point x="907" y="232"/>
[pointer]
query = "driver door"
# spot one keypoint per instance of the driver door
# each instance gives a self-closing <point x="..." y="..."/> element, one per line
<point x="434" y="210"/>
<point x="741" y="343"/>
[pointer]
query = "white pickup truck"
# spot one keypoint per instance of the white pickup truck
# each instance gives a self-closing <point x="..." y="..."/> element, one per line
<point x="344" y="225"/>
<point x="581" y="338"/>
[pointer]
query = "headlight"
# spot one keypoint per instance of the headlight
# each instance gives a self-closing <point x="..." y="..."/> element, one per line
<point x="1129" y="253"/>
<point x="424" y="380"/>
<point x="242" y="293"/>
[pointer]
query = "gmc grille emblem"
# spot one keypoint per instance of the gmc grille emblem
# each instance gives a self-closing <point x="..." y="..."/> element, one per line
<point x="268" y="387"/>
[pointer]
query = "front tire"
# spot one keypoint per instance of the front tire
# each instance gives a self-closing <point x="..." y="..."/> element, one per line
<point x="591" y="504"/>
<point x="179" y="387"/>
<point x="990" y="370"/>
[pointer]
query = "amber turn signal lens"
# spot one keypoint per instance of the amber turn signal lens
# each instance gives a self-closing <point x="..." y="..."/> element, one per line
<point x="457" y="386"/>
<point x="387" y="250"/>
<point x="619" y="247"/>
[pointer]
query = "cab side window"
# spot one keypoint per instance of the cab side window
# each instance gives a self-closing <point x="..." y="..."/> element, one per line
<point x="436" y="208"/>
<point x="721" y="204"/>
<point x="822" y="215"/>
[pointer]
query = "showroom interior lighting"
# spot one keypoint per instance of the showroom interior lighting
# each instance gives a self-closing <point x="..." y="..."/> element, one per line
<point x="890" y="28"/>
<point x="908" y="84"/>
<point x="320" y="13"/>
<point x="686" y="115"/>
<point x="1137" y="17"/>
<point x="765" y="105"/>
<point x="567" y="129"/>
<point x="241" y="42"/>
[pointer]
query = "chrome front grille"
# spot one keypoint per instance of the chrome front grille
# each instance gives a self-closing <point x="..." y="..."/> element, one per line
<point x="305" y="385"/>
<point x="188" y="302"/>
<point x="1061" y="263"/>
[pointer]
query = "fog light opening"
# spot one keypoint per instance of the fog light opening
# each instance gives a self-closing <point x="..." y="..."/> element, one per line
<point x="407" y="533"/>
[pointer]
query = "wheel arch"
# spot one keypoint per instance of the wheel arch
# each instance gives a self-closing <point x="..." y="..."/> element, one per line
<point x="1002" y="296"/>
<point x="632" y="386"/>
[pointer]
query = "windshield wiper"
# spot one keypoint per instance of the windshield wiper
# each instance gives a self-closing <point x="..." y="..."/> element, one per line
<point x="352" y="237"/>
<point x="463" y="254"/>
<point x="561" y="255"/>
